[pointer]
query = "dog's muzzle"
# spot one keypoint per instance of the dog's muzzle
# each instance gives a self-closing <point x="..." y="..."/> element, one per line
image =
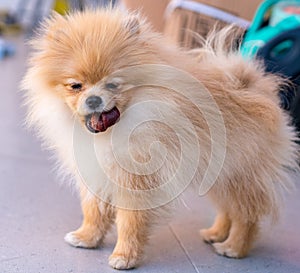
<point x="99" y="122"/>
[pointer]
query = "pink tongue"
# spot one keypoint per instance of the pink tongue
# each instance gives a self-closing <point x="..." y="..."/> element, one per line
<point x="101" y="122"/>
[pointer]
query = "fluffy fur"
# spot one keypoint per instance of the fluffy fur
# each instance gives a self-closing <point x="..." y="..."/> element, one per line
<point x="88" y="48"/>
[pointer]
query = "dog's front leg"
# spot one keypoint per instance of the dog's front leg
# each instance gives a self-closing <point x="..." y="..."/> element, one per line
<point x="133" y="230"/>
<point x="97" y="218"/>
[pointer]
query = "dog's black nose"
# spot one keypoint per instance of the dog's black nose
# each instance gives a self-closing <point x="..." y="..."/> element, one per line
<point x="93" y="102"/>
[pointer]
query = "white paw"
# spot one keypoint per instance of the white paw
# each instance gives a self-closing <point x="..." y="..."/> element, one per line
<point x="211" y="236"/>
<point x="121" y="262"/>
<point x="225" y="250"/>
<point x="71" y="239"/>
<point x="207" y="237"/>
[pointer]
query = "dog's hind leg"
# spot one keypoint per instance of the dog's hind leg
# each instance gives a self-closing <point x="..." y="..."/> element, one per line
<point x="240" y="239"/>
<point x="219" y="230"/>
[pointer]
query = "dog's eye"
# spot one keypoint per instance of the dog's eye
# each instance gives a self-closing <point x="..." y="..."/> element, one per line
<point x="111" y="86"/>
<point x="76" y="86"/>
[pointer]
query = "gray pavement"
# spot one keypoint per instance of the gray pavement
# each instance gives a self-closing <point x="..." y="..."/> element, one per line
<point x="36" y="211"/>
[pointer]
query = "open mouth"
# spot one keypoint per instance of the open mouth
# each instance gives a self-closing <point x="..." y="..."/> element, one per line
<point x="99" y="122"/>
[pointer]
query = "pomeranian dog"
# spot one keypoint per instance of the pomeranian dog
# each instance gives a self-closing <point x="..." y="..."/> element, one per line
<point x="106" y="92"/>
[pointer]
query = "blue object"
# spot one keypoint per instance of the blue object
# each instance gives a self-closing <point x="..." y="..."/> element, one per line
<point x="6" y="49"/>
<point x="281" y="55"/>
<point x="274" y="37"/>
<point x="272" y="18"/>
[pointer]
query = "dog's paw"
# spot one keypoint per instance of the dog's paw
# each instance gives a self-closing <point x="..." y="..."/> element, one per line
<point x="227" y="250"/>
<point x="211" y="236"/>
<point x="82" y="239"/>
<point x="122" y="262"/>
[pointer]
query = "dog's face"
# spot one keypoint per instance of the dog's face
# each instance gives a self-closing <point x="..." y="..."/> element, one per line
<point x="76" y="55"/>
<point x="97" y="105"/>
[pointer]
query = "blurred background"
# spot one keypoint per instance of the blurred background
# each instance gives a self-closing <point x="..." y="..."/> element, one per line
<point x="35" y="212"/>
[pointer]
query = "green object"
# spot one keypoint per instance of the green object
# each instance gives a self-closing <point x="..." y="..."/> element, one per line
<point x="61" y="6"/>
<point x="272" y="18"/>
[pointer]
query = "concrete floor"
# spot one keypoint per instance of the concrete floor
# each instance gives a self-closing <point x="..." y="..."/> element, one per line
<point x="36" y="212"/>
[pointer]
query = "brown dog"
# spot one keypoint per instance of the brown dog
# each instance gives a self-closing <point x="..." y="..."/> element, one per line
<point x="222" y="129"/>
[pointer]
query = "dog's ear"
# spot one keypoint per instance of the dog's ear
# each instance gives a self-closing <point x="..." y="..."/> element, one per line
<point x="132" y="24"/>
